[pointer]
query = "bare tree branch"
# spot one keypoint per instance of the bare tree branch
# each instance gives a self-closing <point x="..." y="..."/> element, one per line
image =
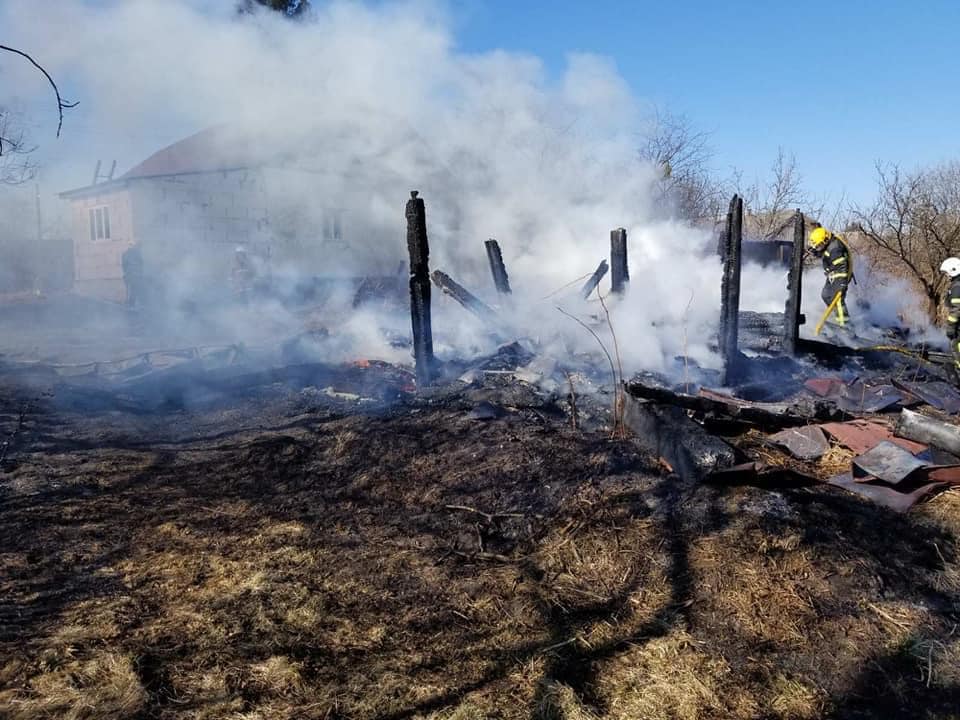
<point x="15" y="166"/>
<point x="61" y="103"/>
<point x="772" y="202"/>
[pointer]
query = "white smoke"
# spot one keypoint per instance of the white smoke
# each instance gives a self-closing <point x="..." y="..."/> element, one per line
<point x="376" y="100"/>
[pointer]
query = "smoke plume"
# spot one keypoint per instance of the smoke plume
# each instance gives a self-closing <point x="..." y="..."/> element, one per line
<point x="364" y="102"/>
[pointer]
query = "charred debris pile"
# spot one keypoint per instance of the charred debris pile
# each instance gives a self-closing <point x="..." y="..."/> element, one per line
<point x="782" y="410"/>
<point x="876" y="421"/>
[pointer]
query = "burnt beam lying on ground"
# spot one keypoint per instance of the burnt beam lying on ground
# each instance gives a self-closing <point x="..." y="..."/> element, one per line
<point x="463" y="296"/>
<point x="767" y="415"/>
<point x="594" y="280"/>
<point x="419" y="251"/>
<point x="793" y="319"/>
<point x="497" y="268"/>
<point x="730" y="290"/>
<point x="665" y="431"/>
<point x="619" y="271"/>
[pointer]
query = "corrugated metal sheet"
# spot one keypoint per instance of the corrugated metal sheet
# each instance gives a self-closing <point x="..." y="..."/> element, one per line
<point x="882" y="494"/>
<point x="861" y="435"/>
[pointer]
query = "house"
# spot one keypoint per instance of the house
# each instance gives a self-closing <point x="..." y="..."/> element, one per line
<point x="188" y="207"/>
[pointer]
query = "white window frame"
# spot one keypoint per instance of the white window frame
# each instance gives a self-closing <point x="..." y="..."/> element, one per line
<point x="99" y="223"/>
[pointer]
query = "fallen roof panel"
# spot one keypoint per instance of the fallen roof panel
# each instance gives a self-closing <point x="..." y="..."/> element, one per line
<point x="804" y="443"/>
<point x="861" y="435"/>
<point x="883" y="494"/>
<point x="888" y="462"/>
<point x="937" y="393"/>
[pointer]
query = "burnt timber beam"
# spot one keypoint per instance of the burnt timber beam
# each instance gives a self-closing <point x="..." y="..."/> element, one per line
<point x="419" y="250"/>
<point x="730" y="291"/>
<point x="497" y="268"/>
<point x="793" y="319"/>
<point x="619" y="271"/>
<point x="665" y="431"/>
<point x="594" y="280"/>
<point x="767" y="415"/>
<point x="463" y="296"/>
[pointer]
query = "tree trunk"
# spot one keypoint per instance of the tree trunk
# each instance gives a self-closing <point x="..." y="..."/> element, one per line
<point x="934" y="304"/>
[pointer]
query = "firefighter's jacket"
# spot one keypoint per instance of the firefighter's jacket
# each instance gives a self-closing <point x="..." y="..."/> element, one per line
<point x="837" y="263"/>
<point x="953" y="308"/>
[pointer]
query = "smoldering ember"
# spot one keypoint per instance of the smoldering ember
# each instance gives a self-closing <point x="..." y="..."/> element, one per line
<point x="257" y="460"/>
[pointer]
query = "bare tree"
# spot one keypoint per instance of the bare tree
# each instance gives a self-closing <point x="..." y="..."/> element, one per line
<point x="771" y="202"/>
<point x="682" y="156"/>
<point x="913" y="225"/>
<point x="16" y="167"/>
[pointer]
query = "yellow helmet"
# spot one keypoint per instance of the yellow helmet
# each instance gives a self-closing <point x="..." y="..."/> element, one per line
<point x="818" y="237"/>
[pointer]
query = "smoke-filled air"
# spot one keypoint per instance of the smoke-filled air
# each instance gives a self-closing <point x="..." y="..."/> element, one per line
<point x="348" y="111"/>
<point x="462" y="359"/>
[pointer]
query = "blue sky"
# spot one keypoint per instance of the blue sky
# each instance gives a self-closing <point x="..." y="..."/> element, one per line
<point x="839" y="84"/>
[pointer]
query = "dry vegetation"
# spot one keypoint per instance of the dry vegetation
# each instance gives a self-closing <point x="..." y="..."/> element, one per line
<point x="424" y="564"/>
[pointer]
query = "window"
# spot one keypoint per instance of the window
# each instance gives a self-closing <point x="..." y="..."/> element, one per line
<point x="99" y="223"/>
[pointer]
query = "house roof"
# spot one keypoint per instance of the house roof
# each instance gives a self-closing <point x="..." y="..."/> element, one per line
<point x="210" y="150"/>
<point x="214" y="149"/>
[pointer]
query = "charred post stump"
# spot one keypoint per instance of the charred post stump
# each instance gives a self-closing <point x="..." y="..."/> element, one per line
<point x="497" y="268"/>
<point x="619" y="272"/>
<point x="793" y="319"/>
<point x="594" y="280"/>
<point x="419" y="251"/>
<point x="463" y="296"/>
<point x="730" y="291"/>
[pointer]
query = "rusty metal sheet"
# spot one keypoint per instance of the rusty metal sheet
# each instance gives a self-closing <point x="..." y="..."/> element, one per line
<point x="949" y="474"/>
<point x="861" y="435"/>
<point x="804" y="443"/>
<point x="936" y="393"/>
<point x="825" y="387"/>
<point x="882" y="494"/>
<point x="887" y="462"/>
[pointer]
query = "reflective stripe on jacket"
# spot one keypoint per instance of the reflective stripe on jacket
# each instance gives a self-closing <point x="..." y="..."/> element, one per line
<point x="836" y="260"/>
<point x="952" y="301"/>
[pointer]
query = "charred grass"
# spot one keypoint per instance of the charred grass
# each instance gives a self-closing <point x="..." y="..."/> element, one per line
<point x="421" y="564"/>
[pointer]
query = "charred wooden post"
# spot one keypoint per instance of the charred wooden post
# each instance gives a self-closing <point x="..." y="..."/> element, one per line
<point x="497" y="268"/>
<point x="730" y="291"/>
<point x="419" y="251"/>
<point x="793" y="319"/>
<point x="463" y="296"/>
<point x="619" y="272"/>
<point x="594" y="280"/>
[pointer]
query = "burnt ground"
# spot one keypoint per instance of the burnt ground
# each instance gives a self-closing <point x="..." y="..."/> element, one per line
<point x="293" y="553"/>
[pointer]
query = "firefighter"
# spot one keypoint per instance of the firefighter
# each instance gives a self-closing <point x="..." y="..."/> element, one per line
<point x="837" y="267"/>
<point x="951" y="266"/>
<point x="243" y="272"/>
<point x="132" y="264"/>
